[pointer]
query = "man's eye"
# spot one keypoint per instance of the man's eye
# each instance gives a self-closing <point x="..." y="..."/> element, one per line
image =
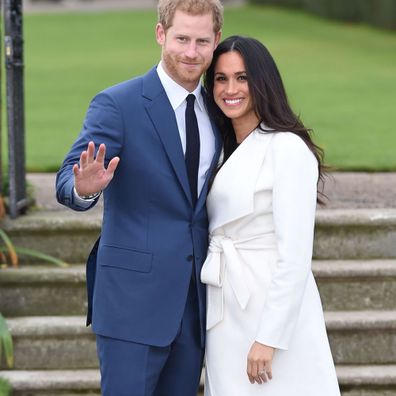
<point x="181" y="39"/>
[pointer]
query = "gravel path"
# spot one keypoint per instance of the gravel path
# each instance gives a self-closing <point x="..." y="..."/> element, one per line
<point x="361" y="190"/>
<point x="343" y="189"/>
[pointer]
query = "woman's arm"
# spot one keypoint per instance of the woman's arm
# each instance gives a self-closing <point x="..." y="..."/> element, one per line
<point x="294" y="204"/>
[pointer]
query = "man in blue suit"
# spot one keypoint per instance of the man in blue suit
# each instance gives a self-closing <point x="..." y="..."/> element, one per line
<point x="146" y="302"/>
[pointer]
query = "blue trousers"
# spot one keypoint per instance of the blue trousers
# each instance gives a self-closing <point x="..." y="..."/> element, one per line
<point x="131" y="369"/>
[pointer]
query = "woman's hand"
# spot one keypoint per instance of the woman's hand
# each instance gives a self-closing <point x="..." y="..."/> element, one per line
<point x="259" y="363"/>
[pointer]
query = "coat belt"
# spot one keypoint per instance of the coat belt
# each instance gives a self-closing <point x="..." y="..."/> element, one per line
<point x="214" y="269"/>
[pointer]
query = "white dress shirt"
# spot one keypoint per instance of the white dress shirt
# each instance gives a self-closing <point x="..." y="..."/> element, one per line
<point x="177" y="98"/>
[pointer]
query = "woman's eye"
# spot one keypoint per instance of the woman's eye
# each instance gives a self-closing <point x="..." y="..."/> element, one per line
<point x="242" y="78"/>
<point x="220" y="78"/>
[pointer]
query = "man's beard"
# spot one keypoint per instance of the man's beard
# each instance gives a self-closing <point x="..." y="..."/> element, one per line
<point x="181" y="75"/>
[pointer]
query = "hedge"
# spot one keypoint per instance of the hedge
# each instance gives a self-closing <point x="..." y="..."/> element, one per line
<point x="380" y="13"/>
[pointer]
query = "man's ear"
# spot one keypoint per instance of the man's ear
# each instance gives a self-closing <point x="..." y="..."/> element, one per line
<point x="217" y="38"/>
<point x="160" y="34"/>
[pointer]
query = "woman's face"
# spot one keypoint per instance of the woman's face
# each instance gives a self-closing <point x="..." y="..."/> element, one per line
<point x="231" y="90"/>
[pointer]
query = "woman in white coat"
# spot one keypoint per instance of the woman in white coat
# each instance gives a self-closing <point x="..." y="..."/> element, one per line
<point x="265" y="328"/>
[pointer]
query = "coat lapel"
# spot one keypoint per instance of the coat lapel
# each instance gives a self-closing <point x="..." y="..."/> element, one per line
<point x="232" y="192"/>
<point x="163" y="117"/>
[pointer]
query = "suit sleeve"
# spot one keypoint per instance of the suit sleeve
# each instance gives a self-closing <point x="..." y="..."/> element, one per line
<point x="103" y="124"/>
<point x="294" y="203"/>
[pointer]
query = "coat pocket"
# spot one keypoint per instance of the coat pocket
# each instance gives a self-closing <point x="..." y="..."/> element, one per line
<point x="124" y="258"/>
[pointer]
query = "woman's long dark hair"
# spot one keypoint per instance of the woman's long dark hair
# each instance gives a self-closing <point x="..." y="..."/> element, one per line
<point x="268" y="95"/>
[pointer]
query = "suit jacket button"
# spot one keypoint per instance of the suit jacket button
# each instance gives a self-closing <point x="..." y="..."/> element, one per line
<point x="190" y="257"/>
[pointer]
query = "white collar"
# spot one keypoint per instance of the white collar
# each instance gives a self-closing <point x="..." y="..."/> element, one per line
<point x="175" y="92"/>
<point x="231" y="181"/>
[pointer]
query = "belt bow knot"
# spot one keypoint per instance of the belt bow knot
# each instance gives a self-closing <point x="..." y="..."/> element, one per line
<point x="213" y="273"/>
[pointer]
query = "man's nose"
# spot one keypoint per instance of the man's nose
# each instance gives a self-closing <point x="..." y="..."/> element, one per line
<point x="191" y="51"/>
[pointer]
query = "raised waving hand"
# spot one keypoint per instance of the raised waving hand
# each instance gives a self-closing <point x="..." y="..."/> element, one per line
<point x="90" y="175"/>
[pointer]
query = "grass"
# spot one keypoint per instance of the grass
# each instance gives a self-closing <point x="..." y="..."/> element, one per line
<point x="341" y="78"/>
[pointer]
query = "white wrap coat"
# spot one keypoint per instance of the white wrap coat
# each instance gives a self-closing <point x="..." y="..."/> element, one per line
<point x="260" y="286"/>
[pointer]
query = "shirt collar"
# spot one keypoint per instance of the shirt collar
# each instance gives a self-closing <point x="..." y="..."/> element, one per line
<point x="175" y="92"/>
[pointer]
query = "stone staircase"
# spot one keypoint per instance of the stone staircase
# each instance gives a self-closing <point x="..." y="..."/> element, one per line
<point x="355" y="267"/>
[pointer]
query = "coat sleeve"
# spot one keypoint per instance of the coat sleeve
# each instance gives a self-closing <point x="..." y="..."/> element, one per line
<point x="103" y="124"/>
<point x="294" y="203"/>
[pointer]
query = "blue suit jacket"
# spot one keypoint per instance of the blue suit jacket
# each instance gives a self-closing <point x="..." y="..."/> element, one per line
<point x="139" y="272"/>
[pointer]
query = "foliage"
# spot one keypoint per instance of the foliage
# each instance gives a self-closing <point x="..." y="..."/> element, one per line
<point x="4" y="387"/>
<point x="6" y="344"/>
<point x="9" y="253"/>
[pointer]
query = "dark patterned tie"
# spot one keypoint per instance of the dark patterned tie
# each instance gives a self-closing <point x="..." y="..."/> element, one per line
<point x="192" y="147"/>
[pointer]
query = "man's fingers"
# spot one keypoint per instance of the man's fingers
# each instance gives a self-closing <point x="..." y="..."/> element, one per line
<point x="100" y="155"/>
<point x="87" y="156"/>
<point x="76" y="170"/>
<point x="113" y="165"/>
<point x="92" y="172"/>
<point x="83" y="160"/>
<point x="90" y="152"/>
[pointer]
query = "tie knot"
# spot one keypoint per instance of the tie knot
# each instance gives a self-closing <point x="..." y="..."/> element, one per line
<point x="190" y="99"/>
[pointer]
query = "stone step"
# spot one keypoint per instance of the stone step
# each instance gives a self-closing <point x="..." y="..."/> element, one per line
<point x="340" y="233"/>
<point x="63" y="342"/>
<point x="362" y="337"/>
<point x="52" y="342"/>
<point x="54" y="382"/>
<point x="343" y="284"/>
<point x="367" y="380"/>
<point x="59" y="382"/>
<point x="355" y="234"/>
<point x="43" y="290"/>
<point x="349" y="285"/>
<point x="68" y="236"/>
<point x="362" y="380"/>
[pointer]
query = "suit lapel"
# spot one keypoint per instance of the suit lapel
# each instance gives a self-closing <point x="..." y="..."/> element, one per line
<point x="163" y="117"/>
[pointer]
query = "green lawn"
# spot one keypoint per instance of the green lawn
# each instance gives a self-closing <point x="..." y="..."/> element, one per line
<point x="341" y="78"/>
